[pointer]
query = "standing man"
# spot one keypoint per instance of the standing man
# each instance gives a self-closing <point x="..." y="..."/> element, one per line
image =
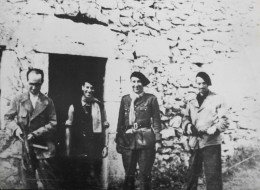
<point x="87" y="124"/>
<point x="32" y="119"/>
<point x="204" y="120"/>
<point x="138" y="130"/>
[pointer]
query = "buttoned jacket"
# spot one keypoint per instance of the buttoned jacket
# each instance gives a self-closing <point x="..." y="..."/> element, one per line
<point x="212" y="112"/>
<point x="41" y="121"/>
<point x="147" y="115"/>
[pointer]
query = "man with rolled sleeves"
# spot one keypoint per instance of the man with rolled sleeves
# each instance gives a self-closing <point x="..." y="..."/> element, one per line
<point x="138" y="132"/>
<point x="33" y="114"/>
<point x="204" y="120"/>
<point x="88" y="124"/>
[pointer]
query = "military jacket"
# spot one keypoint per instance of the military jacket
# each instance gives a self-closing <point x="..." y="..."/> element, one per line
<point x="147" y="116"/>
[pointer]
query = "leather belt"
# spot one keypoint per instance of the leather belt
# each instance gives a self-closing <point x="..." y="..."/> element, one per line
<point x="138" y="126"/>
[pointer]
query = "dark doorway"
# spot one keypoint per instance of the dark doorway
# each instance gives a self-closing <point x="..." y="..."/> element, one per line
<point x="66" y="75"/>
<point x="1" y="51"/>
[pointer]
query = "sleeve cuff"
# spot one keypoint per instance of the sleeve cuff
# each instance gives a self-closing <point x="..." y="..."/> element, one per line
<point x="14" y="130"/>
<point x="68" y="122"/>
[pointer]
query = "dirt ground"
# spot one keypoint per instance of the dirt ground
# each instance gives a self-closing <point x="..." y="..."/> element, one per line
<point x="244" y="177"/>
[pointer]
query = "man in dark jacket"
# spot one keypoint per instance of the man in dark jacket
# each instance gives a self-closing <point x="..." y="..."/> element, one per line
<point x="87" y="123"/>
<point x="138" y="130"/>
<point x="33" y="113"/>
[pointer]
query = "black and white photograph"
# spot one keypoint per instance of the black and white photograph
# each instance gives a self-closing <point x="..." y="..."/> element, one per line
<point x="130" y="94"/>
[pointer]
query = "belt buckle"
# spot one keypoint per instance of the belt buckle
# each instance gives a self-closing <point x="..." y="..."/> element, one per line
<point x="135" y="126"/>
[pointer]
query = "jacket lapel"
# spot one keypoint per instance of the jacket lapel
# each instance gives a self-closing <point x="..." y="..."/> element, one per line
<point x="140" y="100"/>
<point x="195" y="103"/>
<point x="41" y="104"/>
<point x="205" y="102"/>
<point x="26" y="103"/>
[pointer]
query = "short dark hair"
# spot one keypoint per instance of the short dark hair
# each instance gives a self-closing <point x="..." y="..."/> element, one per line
<point x="36" y="71"/>
<point x="87" y="81"/>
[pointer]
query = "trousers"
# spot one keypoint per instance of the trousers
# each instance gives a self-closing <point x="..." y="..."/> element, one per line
<point x="44" y="175"/>
<point x="145" y="159"/>
<point x="210" y="156"/>
<point x="80" y="173"/>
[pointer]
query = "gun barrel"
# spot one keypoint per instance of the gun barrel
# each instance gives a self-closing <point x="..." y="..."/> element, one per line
<point x="40" y="146"/>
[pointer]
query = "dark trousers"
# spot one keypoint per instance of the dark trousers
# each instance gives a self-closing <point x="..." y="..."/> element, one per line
<point x="43" y="176"/>
<point x="145" y="159"/>
<point x="210" y="156"/>
<point x="80" y="173"/>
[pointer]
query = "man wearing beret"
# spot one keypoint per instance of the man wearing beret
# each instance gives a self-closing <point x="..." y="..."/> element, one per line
<point x="138" y="132"/>
<point x="204" y="120"/>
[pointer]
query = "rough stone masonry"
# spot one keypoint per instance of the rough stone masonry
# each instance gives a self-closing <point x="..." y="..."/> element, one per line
<point x="169" y="41"/>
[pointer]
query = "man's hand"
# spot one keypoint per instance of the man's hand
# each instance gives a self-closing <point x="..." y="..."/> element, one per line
<point x="30" y="136"/>
<point x="131" y="131"/>
<point x="105" y="152"/>
<point x="18" y="133"/>
<point x="157" y="146"/>
<point x="189" y="131"/>
<point x="106" y="124"/>
<point x="212" y="130"/>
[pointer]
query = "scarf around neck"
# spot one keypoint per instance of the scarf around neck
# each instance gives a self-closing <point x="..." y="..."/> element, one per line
<point x="95" y="113"/>
<point x="133" y="96"/>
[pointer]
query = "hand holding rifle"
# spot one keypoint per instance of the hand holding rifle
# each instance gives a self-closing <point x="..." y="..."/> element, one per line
<point x="18" y="134"/>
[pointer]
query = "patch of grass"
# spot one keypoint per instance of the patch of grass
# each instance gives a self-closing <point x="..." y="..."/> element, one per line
<point x="244" y="170"/>
<point x="244" y="158"/>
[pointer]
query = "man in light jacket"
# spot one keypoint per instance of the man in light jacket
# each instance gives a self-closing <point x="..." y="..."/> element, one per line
<point x="204" y="120"/>
<point x="34" y="113"/>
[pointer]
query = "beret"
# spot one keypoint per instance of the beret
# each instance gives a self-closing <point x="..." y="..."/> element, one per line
<point x="205" y="77"/>
<point x="141" y="77"/>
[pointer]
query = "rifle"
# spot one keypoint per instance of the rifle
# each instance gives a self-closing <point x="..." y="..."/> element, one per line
<point x="29" y="157"/>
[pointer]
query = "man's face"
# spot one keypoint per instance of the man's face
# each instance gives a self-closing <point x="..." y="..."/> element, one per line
<point x="202" y="85"/>
<point x="137" y="86"/>
<point x="34" y="83"/>
<point x="88" y="90"/>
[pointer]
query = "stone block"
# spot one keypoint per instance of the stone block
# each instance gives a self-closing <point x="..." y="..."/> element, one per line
<point x="175" y="122"/>
<point x="70" y="8"/>
<point x="152" y="24"/>
<point x="163" y="14"/>
<point x="148" y="12"/>
<point x="127" y="13"/>
<point x="111" y="4"/>
<point x="165" y="25"/>
<point x="154" y="48"/>
<point x="38" y="7"/>
<point x="169" y="132"/>
<point x="133" y="4"/>
<point x="127" y="22"/>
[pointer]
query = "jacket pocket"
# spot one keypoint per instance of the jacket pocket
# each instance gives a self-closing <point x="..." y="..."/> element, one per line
<point x="145" y="138"/>
<point x="143" y="108"/>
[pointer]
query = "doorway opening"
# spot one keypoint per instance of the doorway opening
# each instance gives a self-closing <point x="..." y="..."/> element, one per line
<point x="67" y="73"/>
<point x="1" y="119"/>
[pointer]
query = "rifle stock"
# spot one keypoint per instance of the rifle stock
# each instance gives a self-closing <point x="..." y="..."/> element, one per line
<point x="28" y="153"/>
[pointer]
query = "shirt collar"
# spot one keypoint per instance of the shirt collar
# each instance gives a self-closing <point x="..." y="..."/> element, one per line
<point x="33" y="96"/>
<point x="83" y="103"/>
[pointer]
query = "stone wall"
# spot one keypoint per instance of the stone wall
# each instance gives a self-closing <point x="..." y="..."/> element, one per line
<point x="169" y="41"/>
